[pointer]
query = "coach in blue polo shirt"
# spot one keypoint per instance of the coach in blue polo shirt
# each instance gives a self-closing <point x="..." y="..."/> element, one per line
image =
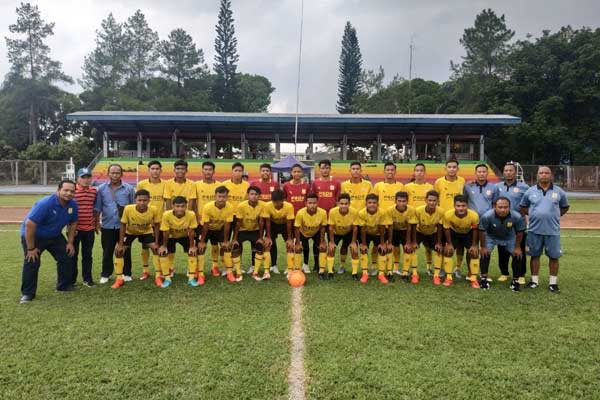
<point x="42" y="230"/>
<point x="513" y="190"/>
<point x="480" y="192"/>
<point x="545" y="203"/>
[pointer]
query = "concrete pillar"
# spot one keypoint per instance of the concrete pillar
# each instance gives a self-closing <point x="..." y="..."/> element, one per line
<point x="209" y="145"/>
<point x="378" y="150"/>
<point x="174" y="143"/>
<point x="448" y="147"/>
<point x="310" y="150"/>
<point x="472" y="150"/>
<point x="104" y="144"/>
<point x="139" y="145"/>
<point x="243" y="143"/>
<point x="345" y="147"/>
<point x="277" y="147"/>
<point x="148" y="147"/>
<point x="481" y="147"/>
<point x="413" y="147"/>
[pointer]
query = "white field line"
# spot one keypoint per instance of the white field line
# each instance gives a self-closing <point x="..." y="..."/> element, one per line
<point x="296" y="376"/>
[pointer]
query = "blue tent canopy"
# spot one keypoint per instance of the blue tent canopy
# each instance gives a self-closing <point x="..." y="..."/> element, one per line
<point x="285" y="164"/>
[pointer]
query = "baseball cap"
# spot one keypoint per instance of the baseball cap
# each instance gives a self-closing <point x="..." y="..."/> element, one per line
<point x="84" y="172"/>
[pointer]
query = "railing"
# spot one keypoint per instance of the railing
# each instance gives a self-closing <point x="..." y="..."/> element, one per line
<point x="574" y="178"/>
<point x="31" y="172"/>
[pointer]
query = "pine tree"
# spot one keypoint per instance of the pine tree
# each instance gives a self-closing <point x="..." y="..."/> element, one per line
<point x="142" y="47"/>
<point x="350" y="67"/>
<point x="181" y="59"/>
<point x="226" y="58"/>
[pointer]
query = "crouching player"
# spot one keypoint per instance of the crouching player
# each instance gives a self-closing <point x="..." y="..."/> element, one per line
<point x="461" y="232"/>
<point x="279" y="220"/>
<point x="504" y="228"/>
<point x="139" y="221"/>
<point x="403" y="233"/>
<point x="430" y="231"/>
<point x="217" y="217"/>
<point x="310" y="224"/>
<point x="373" y="224"/>
<point x="341" y="228"/>
<point x="179" y="226"/>
<point x="249" y="227"/>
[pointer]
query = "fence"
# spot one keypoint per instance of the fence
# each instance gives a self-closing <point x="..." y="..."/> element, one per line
<point x="31" y="172"/>
<point x="572" y="178"/>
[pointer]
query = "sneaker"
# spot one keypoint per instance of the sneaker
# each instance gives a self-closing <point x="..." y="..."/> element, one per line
<point x="515" y="286"/>
<point x="305" y="268"/>
<point x="489" y="279"/>
<point x="373" y="272"/>
<point x="342" y="270"/>
<point x="390" y="277"/>
<point x="503" y="278"/>
<point x="355" y="277"/>
<point x="532" y="285"/>
<point x="239" y="278"/>
<point x="118" y="283"/>
<point x="381" y="278"/>
<point x="127" y="278"/>
<point x="166" y="284"/>
<point x="364" y="278"/>
<point x="484" y="284"/>
<point x="442" y="274"/>
<point x="26" y="298"/>
<point x="322" y="276"/>
<point x="285" y="271"/>
<point x="230" y="277"/>
<point x="521" y="280"/>
<point x="330" y="275"/>
<point x="215" y="271"/>
<point x="201" y="280"/>
<point x="266" y="276"/>
<point x="89" y="284"/>
<point x="437" y="280"/>
<point x="249" y="271"/>
<point x="404" y="276"/>
<point x="457" y="274"/>
<point x="171" y="272"/>
<point x="103" y="280"/>
<point x="274" y="270"/>
<point x="429" y="272"/>
<point x="223" y="271"/>
<point x="448" y="282"/>
<point x="554" y="289"/>
<point x="414" y="279"/>
<point x="193" y="282"/>
<point x="256" y="277"/>
<point x="144" y="276"/>
<point x="475" y="284"/>
<point x="158" y="281"/>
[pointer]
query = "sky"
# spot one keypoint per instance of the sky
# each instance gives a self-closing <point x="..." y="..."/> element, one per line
<point x="268" y="34"/>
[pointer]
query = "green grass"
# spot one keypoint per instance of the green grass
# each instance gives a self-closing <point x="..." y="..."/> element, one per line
<point x="19" y="200"/>
<point x="226" y="341"/>
<point x="584" y="205"/>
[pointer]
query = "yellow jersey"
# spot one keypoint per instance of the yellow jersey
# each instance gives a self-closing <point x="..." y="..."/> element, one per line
<point x="448" y="190"/>
<point x="309" y="225"/>
<point x="185" y="189"/>
<point x="157" y="192"/>
<point x="358" y="192"/>
<point x="417" y="193"/>
<point x="216" y="217"/>
<point x="281" y="216"/>
<point x="342" y="224"/>
<point x="250" y="216"/>
<point x="372" y="222"/>
<point x="401" y="219"/>
<point x="237" y="191"/>
<point x="387" y="193"/>
<point x="139" y="223"/>
<point x="461" y="225"/>
<point x="205" y="192"/>
<point x="427" y="224"/>
<point x="178" y="226"/>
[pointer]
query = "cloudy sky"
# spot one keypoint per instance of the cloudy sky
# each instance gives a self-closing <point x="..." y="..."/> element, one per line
<point x="268" y="32"/>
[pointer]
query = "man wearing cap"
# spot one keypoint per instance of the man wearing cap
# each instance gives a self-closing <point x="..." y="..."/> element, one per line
<point x="42" y="230"/>
<point x="85" y="197"/>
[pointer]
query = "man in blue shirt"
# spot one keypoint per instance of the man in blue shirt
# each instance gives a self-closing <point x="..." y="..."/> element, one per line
<point x="514" y="191"/>
<point x="480" y="192"/>
<point x="111" y="199"/>
<point x="545" y="203"/>
<point x="502" y="227"/>
<point x="42" y="230"/>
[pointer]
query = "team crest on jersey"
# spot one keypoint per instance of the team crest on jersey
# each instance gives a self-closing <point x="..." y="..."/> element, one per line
<point x="331" y="187"/>
<point x="509" y="224"/>
<point x="516" y="190"/>
<point x="303" y="191"/>
<point x="555" y="195"/>
<point x="271" y="188"/>
<point x="70" y="210"/>
<point x="488" y="192"/>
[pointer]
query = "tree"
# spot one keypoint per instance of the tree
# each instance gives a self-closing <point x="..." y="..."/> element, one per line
<point x="30" y="60"/>
<point x="142" y="47"/>
<point x="254" y="93"/>
<point x="225" y="91"/>
<point x="181" y="60"/>
<point x="350" y="68"/>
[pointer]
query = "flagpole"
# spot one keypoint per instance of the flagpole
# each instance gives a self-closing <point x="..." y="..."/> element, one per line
<point x="298" y="82"/>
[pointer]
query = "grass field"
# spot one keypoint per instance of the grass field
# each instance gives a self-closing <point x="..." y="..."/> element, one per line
<point x="225" y="341"/>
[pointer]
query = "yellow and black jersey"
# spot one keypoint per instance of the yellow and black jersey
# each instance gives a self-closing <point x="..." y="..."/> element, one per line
<point x="186" y="189"/>
<point x="250" y="215"/>
<point x="205" y="192"/>
<point x="401" y="219"/>
<point x="282" y="215"/>
<point x="462" y="224"/>
<point x="156" y="190"/>
<point x="372" y="222"/>
<point x="358" y="192"/>
<point x="216" y="217"/>
<point x="178" y="227"/>
<point x="448" y="190"/>
<point x="308" y="224"/>
<point x="342" y="224"/>
<point x="417" y="193"/>
<point x="140" y="223"/>
<point x="237" y="192"/>
<point x="427" y="223"/>
<point x="387" y="193"/>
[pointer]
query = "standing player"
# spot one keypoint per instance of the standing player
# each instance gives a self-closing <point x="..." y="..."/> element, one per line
<point x="205" y="193"/>
<point x="249" y="227"/>
<point x="430" y="231"/>
<point x="238" y="188"/>
<point x="357" y="187"/>
<point x="448" y="187"/>
<point x="310" y="224"/>
<point x="373" y="223"/>
<point x="514" y="191"/>
<point x="217" y="217"/>
<point x="139" y="221"/>
<point x="545" y="203"/>
<point x="279" y="220"/>
<point x="156" y="187"/>
<point x="504" y="228"/>
<point x="417" y="192"/>
<point x="295" y="193"/>
<point x="461" y="232"/>
<point x="402" y="232"/>
<point x="341" y="227"/>
<point x="265" y="183"/>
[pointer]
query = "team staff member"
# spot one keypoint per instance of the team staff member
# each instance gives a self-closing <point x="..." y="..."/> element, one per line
<point x="502" y="227"/>
<point x="42" y="230"/>
<point x="514" y="191"/>
<point x="341" y="228"/>
<point x="205" y="193"/>
<point x="265" y="183"/>
<point x="545" y="203"/>
<point x="417" y="192"/>
<point x="373" y="223"/>
<point x="310" y="224"/>
<point x="156" y="187"/>
<point x="111" y="200"/>
<point x="280" y="221"/>
<point x="85" y="197"/>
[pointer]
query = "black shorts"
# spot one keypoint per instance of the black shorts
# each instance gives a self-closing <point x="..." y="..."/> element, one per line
<point x="248" y="236"/>
<point x="278" y="229"/>
<point x="399" y="238"/>
<point x="427" y="240"/>
<point x="215" y="237"/>
<point x="373" y="239"/>
<point x="345" y="239"/>
<point x="160" y="238"/>
<point x="184" y="242"/>
<point x="143" y="239"/>
<point x="461" y="240"/>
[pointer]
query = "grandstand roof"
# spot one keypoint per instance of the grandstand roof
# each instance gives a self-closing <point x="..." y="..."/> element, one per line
<point x="325" y="127"/>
